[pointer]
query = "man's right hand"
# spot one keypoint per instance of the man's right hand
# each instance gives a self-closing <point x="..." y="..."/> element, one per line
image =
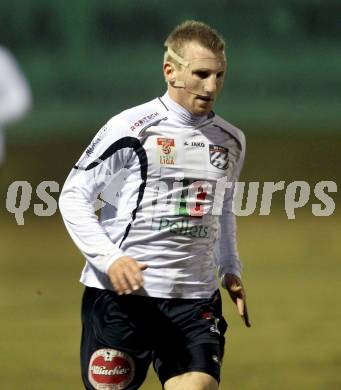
<point x="126" y="275"/>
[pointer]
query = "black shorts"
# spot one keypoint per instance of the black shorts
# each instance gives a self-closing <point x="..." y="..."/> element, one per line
<point x="123" y="334"/>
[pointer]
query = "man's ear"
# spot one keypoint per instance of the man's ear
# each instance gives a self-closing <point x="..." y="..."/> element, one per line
<point x="169" y="72"/>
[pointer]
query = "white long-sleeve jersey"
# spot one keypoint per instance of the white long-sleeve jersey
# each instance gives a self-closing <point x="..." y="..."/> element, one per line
<point x="165" y="182"/>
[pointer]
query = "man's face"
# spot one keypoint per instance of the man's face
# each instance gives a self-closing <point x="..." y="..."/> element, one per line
<point x="202" y="79"/>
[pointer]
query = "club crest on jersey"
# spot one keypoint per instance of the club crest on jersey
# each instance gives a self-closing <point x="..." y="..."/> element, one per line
<point x="166" y="151"/>
<point x="219" y="156"/>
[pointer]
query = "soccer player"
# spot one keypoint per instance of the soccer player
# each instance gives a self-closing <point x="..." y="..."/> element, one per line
<point x="15" y="94"/>
<point x="164" y="173"/>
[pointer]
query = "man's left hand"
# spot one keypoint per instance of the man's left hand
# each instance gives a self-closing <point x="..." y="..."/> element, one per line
<point x="236" y="290"/>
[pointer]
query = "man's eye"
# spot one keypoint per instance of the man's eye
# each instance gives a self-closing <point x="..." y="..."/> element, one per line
<point x="220" y="75"/>
<point x="201" y="74"/>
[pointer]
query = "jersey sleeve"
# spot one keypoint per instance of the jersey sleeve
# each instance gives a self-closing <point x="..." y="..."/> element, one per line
<point x="107" y="154"/>
<point x="227" y="252"/>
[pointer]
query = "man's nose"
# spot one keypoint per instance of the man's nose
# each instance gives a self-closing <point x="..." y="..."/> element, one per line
<point x="210" y="84"/>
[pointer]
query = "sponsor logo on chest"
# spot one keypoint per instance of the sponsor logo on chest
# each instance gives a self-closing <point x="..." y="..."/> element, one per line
<point x="195" y="144"/>
<point x="143" y="121"/>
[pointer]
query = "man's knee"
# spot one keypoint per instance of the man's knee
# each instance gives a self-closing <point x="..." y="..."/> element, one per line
<point x="192" y="381"/>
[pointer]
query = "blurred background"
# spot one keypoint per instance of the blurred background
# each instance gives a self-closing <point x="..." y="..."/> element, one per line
<point x="86" y="61"/>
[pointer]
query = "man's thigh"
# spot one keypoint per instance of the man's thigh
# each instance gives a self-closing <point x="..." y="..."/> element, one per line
<point x="192" y="339"/>
<point x="192" y="381"/>
<point x="113" y="354"/>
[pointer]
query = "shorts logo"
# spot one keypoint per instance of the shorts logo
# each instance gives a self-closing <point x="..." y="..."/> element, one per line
<point x="216" y="359"/>
<point x="219" y="156"/>
<point x="110" y="369"/>
<point x="215" y="328"/>
<point x="166" y="151"/>
<point x="207" y="315"/>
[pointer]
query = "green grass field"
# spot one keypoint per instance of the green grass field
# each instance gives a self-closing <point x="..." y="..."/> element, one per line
<point x="292" y="274"/>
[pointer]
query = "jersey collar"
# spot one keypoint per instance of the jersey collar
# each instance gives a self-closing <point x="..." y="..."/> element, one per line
<point x="182" y="115"/>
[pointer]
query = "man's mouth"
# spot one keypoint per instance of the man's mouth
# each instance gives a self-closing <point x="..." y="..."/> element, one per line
<point x="205" y="98"/>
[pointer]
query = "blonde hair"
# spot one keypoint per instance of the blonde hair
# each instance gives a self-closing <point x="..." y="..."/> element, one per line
<point x="193" y="31"/>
